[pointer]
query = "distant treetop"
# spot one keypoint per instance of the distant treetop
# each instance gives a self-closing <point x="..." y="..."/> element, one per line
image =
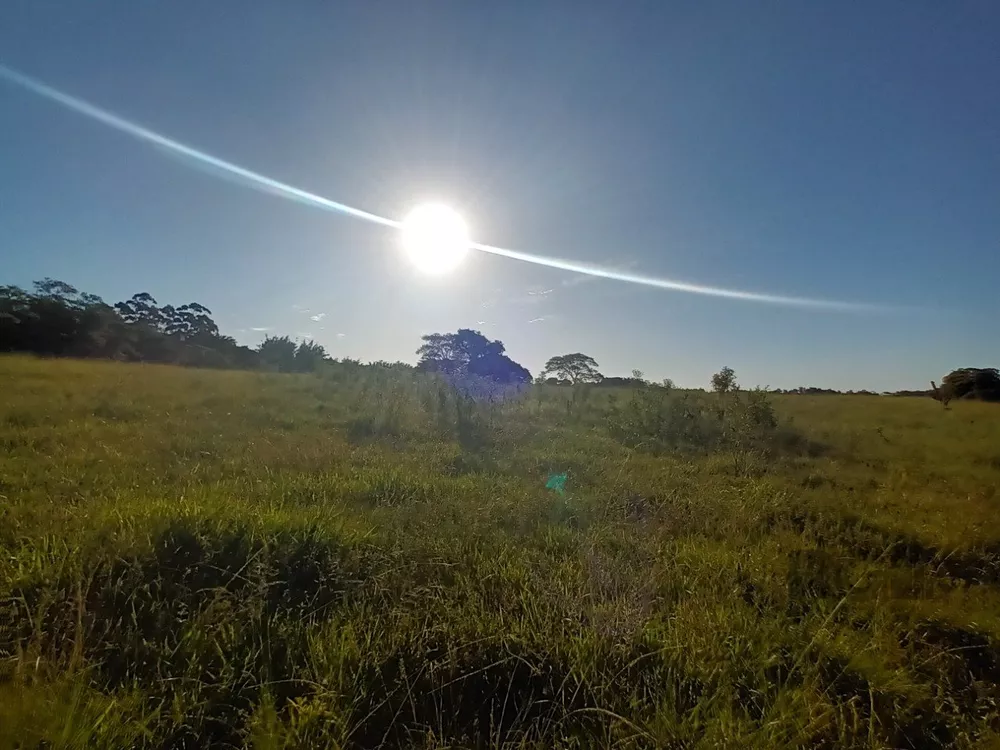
<point x="576" y="368"/>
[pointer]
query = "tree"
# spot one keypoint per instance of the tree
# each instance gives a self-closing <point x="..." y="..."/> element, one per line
<point x="639" y="376"/>
<point x="971" y="383"/>
<point x="668" y="384"/>
<point x="55" y="319"/>
<point x="499" y="368"/>
<point x="190" y="321"/>
<point x="278" y="352"/>
<point x="309" y="355"/>
<point x="141" y="309"/>
<point x="453" y="352"/>
<point x="724" y="380"/>
<point x="576" y="368"/>
<point x="468" y="352"/>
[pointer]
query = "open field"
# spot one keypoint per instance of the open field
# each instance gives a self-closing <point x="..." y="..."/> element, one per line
<point x="356" y="559"/>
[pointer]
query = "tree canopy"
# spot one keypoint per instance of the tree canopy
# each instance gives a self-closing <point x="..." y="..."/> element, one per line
<point x="981" y="383"/>
<point x="724" y="380"/>
<point x="468" y="352"/>
<point x="576" y="368"/>
<point x="55" y="319"/>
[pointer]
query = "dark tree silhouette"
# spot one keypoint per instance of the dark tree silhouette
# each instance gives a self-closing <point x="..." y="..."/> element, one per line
<point x="309" y="355"/>
<point x="141" y="309"/>
<point x="55" y="319"/>
<point x="468" y="352"/>
<point x="981" y="383"/>
<point x="284" y="355"/>
<point x="499" y="368"/>
<point x="278" y="352"/>
<point x="576" y="368"/>
<point x="724" y="380"/>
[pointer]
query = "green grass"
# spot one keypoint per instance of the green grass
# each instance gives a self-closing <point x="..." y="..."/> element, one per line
<point x="360" y="559"/>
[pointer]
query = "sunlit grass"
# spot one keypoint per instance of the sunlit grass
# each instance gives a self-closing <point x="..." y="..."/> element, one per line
<point x="360" y="559"/>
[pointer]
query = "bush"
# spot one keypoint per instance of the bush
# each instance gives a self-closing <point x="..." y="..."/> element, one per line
<point x="658" y="419"/>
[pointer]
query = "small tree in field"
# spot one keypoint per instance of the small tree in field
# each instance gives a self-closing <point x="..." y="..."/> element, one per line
<point x="724" y="380"/>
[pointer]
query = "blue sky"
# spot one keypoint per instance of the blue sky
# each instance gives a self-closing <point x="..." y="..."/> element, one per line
<point x="842" y="151"/>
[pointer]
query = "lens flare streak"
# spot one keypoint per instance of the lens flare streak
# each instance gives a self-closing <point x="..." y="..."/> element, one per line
<point x="275" y="187"/>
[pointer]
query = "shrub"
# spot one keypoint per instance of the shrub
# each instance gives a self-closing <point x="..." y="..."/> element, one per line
<point x="659" y="419"/>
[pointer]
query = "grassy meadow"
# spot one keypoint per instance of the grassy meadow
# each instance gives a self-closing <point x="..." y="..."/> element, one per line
<point x="363" y="558"/>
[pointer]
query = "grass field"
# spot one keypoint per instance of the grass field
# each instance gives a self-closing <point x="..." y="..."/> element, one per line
<point x="361" y="558"/>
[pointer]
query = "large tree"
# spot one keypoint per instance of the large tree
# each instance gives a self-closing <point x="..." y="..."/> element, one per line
<point x="576" y="368"/>
<point x="468" y="352"/>
<point x="972" y="382"/>
<point x="309" y="355"/>
<point x="278" y="352"/>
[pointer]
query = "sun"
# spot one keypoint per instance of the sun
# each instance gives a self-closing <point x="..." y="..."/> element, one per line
<point x="435" y="237"/>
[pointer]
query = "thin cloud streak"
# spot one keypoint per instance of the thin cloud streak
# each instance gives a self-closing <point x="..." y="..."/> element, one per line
<point x="269" y="185"/>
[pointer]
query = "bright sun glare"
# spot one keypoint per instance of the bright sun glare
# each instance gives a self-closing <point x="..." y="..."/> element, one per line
<point x="435" y="237"/>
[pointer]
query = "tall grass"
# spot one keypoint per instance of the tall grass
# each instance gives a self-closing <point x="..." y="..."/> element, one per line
<point x="370" y="558"/>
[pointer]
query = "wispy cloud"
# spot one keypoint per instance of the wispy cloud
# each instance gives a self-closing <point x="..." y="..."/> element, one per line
<point x="539" y="320"/>
<point x="318" y="317"/>
<point x="341" y="335"/>
<point x="261" y="329"/>
<point x="300" y="309"/>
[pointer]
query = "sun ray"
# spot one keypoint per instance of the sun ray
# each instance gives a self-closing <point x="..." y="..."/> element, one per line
<point x="267" y="184"/>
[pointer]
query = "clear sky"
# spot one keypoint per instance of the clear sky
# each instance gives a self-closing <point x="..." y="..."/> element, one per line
<point x="846" y="151"/>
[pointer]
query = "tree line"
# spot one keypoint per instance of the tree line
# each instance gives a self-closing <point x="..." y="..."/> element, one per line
<point x="56" y="319"/>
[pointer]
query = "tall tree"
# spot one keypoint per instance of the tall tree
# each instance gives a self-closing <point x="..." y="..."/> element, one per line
<point x="309" y="355"/>
<point x="453" y="352"/>
<point x="972" y="382"/>
<point x="724" y="380"/>
<point x="142" y="309"/>
<point x="55" y="319"/>
<point x="468" y="352"/>
<point x="576" y="368"/>
<point x="278" y="352"/>
<point x="190" y="321"/>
